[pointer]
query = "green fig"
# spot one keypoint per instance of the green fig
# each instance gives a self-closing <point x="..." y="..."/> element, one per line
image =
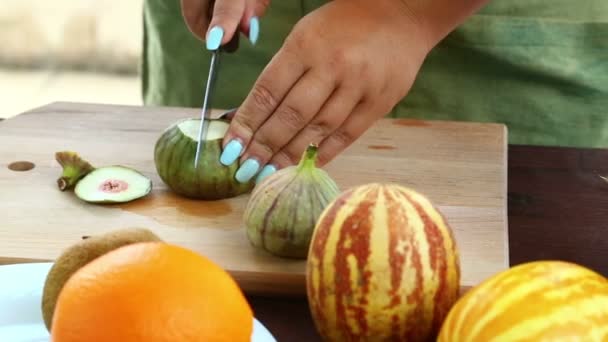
<point x="174" y="156"/>
<point x="283" y="208"/>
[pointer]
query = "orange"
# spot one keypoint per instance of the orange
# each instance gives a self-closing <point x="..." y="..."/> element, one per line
<point x="151" y="291"/>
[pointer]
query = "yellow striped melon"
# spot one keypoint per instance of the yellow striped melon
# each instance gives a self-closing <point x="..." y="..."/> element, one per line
<point x="543" y="300"/>
<point x="383" y="265"/>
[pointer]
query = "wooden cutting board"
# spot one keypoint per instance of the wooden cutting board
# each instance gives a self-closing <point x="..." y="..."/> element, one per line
<point x="460" y="166"/>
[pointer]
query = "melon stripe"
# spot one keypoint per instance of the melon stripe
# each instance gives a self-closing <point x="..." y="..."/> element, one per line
<point x="413" y="292"/>
<point x="439" y="239"/>
<point x="351" y="280"/>
<point x="318" y="258"/>
<point x="435" y="239"/>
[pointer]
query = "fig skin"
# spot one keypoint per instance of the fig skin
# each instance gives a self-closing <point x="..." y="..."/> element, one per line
<point x="283" y="209"/>
<point x="80" y="254"/>
<point x="174" y="155"/>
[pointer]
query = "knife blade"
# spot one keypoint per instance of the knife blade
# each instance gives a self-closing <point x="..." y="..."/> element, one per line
<point x="205" y="110"/>
<point x="230" y="47"/>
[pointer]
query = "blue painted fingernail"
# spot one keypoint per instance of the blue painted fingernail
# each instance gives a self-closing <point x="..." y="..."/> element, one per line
<point x="247" y="170"/>
<point x="214" y="38"/>
<point x="231" y="152"/>
<point x="266" y="171"/>
<point x="254" y="29"/>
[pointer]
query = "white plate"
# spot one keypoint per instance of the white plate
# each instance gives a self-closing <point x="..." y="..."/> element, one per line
<point x="20" y="313"/>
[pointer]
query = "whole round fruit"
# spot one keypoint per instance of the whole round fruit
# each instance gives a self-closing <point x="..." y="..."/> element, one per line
<point x="80" y="254"/>
<point x="174" y="155"/>
<point x="283" y="209"/>
<point x="383" y="265"/>
<point x="543" y="300"/>
<point x="153" y="292"/>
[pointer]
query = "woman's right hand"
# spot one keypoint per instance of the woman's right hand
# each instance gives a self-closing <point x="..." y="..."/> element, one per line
<point x="216" y="22"/>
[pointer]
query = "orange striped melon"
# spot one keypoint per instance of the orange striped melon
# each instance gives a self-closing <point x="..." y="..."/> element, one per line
<point x="382" y="265"/>
<point x="536" y="301"/>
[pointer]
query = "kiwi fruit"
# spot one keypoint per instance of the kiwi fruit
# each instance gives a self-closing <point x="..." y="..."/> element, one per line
<point x="80" y="254"/>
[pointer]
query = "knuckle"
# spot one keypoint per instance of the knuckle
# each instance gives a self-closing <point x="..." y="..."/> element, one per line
<point x="342" y="58"/>
<point x="264" y="146"/>
<point x="323" y="158"/>
<point x="244" y="122"/>
<point x="365" y="70"/>
<point x="320" y="129"/>
<point x="297" y="41"/>
<point x="228" y="10"/>
<point x="290" y="116"/>
<point x="343" y="137"/>
<point x="284" y="158"/>
<point x="263" y="97"/>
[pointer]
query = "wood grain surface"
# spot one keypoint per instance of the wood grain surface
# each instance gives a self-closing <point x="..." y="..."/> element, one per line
<point x="460" y="166"/>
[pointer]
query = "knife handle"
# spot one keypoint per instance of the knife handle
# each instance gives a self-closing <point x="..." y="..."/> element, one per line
<point x="233" y="44"/>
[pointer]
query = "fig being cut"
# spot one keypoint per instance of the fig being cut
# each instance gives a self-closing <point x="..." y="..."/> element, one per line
<point x="113" y="184"/>
<point x="174" y="155"/>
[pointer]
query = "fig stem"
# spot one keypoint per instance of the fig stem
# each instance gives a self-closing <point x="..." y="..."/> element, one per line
<point x="309" y="157"/>
<point x="74" y="168"/>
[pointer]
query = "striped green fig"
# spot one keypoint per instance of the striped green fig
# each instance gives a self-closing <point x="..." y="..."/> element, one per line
<point x="283" y="209"/>
<point x="174" y="155"/>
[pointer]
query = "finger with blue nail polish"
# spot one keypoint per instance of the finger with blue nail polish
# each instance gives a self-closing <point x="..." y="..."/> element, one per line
<point x="266" y="171"/>
<point x="231" y="152"/>
<point x="247" y="170"/>
<point x="226" y="16"/>
<point x="214" y="38"/>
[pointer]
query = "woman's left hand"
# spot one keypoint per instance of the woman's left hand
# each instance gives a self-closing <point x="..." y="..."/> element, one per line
<point x="343" y="66"/>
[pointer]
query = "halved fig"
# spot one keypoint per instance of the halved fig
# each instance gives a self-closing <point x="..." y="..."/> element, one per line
<point x="113" y="184"/>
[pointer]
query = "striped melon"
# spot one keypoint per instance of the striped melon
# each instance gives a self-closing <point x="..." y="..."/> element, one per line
<point x="537" y="301"/>
<point x="174" y="155"/>
<point x="383" y="265"/>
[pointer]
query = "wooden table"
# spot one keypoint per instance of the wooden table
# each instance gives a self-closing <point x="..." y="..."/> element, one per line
<point x="558" y="209"/>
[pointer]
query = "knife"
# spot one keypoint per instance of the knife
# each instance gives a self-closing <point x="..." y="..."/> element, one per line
<point x="202" y="131"/>
<point x="230" y="47"/>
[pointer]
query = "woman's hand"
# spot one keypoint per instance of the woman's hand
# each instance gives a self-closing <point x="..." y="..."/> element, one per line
<point x="216" y="22"/>
<point x="342" y="67"/>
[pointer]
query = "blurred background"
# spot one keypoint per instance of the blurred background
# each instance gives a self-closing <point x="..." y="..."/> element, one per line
<point x="69" y="50"/>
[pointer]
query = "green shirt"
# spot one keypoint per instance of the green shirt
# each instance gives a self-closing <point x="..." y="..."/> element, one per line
<point x="538" y="66"/>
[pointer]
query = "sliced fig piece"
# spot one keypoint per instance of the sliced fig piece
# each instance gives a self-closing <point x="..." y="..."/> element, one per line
<point x="174" y="155"/>
<point x="113" y="184"/>
<point x="74" y="168"/>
